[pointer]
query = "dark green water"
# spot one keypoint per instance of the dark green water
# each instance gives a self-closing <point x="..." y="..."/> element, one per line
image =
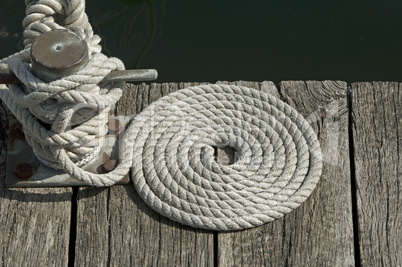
<point x="210" y="40"/>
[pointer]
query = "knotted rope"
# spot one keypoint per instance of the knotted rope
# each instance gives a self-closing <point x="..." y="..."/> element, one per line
<point x="170" y="145"/>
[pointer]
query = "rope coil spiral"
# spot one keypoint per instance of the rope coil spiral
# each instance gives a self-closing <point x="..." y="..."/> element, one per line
<point x="169" y="146"/>
<point x="174" y="170"/>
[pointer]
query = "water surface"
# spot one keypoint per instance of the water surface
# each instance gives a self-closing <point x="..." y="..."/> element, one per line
<point x="210" y="40"/>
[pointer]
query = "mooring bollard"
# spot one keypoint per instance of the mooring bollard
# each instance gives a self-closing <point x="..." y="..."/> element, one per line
<point x="54" y="55"/>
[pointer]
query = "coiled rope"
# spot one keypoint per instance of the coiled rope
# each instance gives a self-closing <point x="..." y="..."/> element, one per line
<point x="174" y="171"/>
<point x="169" y="146"/>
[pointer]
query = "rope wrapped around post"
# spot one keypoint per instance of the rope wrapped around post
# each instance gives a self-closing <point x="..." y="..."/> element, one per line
<point x="170" y="146"/>
<point x="76" y="106"/>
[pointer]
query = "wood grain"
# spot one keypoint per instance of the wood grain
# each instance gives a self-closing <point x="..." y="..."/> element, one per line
<point x="116" y="228"/>
<point x="34" y="223"/>
<point x="320" y="231"/>
<point x="377" y="129"/>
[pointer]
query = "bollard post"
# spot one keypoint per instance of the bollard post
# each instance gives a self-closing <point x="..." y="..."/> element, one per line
<point x="56" y="54"/>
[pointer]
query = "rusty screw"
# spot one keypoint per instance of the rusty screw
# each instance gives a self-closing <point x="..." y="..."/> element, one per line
<point x="115" y="126"/>
<point x="108" y="164"/>
<point x="23" y="171"/>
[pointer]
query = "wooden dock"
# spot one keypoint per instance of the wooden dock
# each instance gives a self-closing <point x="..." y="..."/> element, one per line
<point x="353" y="218"/>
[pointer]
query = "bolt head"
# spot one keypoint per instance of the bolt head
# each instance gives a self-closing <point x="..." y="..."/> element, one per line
<point x="115" y="126"/>
<point x="109" y="165"/>
<point x="23" y="171"/>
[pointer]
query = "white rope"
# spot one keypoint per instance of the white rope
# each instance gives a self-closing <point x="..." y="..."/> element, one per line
<point x="170" y="145"/>
<point x="174" y="171"/>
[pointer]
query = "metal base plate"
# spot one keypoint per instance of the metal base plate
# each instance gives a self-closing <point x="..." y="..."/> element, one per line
<point x="25" y="170"/>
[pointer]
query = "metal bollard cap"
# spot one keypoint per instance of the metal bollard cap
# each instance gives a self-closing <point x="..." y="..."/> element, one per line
<point x="58" y="53"/>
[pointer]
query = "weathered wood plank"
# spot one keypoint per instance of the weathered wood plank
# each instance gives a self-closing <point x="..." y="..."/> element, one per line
<point x="116" y="228"/>
<point x="34" y="223"/>
<point x="377" y="136"/>
<point x="320" y="231"/>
